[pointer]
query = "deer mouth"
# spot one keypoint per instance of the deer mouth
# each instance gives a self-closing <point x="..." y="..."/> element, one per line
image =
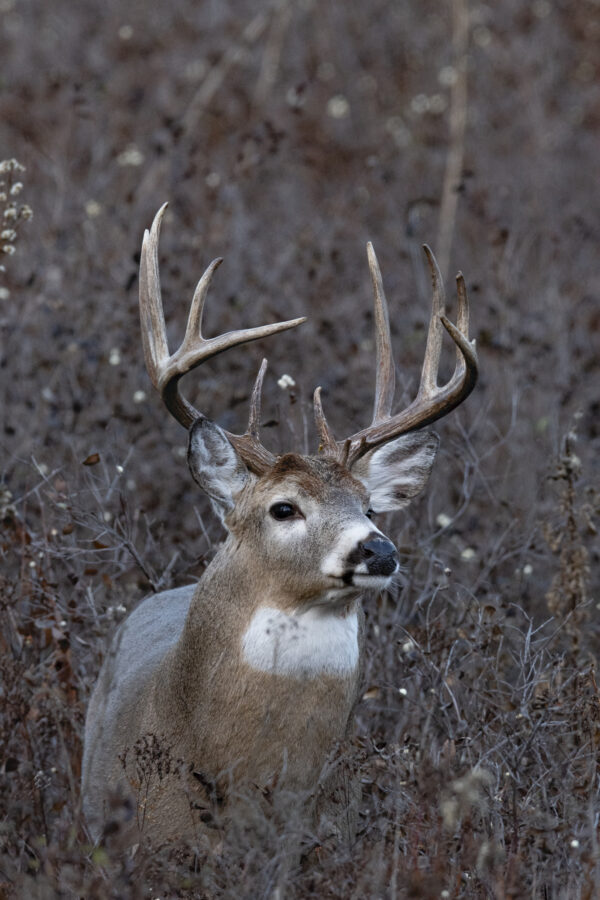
<point x="373" y="581"/>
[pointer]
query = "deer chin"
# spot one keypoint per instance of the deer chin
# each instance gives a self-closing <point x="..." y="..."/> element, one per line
<point x="352" y="582"/>
<point x="372" y="582"/>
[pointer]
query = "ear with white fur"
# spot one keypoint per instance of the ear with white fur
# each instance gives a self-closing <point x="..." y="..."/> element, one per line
<point x="398" y="471"/>
<point x="215" y="465"/>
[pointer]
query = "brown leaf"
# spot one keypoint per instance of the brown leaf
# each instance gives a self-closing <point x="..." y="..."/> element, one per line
<point x="372" y="693"/>
<point x="92" y="460"/>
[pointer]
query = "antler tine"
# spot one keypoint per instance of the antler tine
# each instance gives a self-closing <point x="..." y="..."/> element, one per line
<point x="166" y="369"/>
<point x="193" y="329"/>
<point x="433" y="349"/>
<point x="256" y="402"/>
<point x="462" y="315"/>
<point x="154" y="332"/>
<point x="248" y="445"/>
<point x="186" y="358"/>
<point x="327" y="443"/>
<point x="385" y="371"/>
<point x="467" y="367"/>
<point x="466" y="356"/>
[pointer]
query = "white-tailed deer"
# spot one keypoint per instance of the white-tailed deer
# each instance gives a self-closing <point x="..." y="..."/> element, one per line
<point x="250" y="676"/>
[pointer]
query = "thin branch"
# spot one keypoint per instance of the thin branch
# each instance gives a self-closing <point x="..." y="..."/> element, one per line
<point x="458" y="123"/>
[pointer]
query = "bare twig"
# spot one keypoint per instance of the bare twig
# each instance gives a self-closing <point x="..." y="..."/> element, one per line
<point x="217" y="74"/>
<point x="272" y="54"/>
<point x="458" y="122"/>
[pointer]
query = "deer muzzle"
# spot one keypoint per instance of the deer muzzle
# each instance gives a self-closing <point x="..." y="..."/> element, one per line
<point x="379" y="555"/>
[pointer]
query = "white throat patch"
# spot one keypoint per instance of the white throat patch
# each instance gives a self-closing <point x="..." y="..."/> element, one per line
<point x="305" y="645"/>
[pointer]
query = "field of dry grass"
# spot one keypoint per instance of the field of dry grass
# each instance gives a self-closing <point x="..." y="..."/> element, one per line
<point x="285" y="135"/>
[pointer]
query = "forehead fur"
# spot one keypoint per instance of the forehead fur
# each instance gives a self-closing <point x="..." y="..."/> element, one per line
<point x="310" y="474"/>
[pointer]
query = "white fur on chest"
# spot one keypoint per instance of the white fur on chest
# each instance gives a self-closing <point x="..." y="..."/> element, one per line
<point x="304" y="645"/>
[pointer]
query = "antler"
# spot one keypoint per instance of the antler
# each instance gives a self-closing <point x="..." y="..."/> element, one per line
<point x="432" y="402"/>
<point x="166" y="369"/>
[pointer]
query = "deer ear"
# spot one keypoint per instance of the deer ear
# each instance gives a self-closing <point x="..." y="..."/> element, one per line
<point x="398" y="471"/>
<point x="215" y="465"/>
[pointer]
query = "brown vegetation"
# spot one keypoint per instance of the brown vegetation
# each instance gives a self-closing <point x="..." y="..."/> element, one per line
<point x="285" y="137"/>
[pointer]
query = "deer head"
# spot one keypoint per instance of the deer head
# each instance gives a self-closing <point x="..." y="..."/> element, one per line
<point x="277" y="504"/>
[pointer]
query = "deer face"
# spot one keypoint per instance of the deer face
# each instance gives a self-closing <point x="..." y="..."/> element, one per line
<point x="305" y="523"/>
<point x="309" y="522"/>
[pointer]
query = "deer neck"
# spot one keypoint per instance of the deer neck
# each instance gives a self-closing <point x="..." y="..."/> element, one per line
<point x="242" y="625"/>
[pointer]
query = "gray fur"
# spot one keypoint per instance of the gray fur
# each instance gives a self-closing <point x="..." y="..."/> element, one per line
<point x="396" y="473"/>
<point x="215" y="465"/>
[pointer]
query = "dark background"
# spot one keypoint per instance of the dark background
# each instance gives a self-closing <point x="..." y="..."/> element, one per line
<point x="284" y="136"/>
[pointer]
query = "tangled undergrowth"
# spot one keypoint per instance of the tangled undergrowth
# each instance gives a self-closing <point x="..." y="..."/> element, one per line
<point x="284" y="138"/>
<point x="477" y="744"/>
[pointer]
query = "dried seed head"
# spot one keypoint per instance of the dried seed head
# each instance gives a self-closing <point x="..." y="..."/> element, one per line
<point x="11" y="213"/>
<point x="464" y="794"/>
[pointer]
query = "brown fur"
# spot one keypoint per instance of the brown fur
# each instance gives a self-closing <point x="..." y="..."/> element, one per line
<point x="310" y="473"/>
<point x="176" y="678"/>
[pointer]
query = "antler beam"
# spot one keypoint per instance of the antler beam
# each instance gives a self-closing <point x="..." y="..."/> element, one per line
<point x="432" y="401"/>
<point x="167" y="369"/>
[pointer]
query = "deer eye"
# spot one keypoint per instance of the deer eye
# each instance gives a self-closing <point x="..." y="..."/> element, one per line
<point x="281" y="511"/>
<point x="370" y="513"/>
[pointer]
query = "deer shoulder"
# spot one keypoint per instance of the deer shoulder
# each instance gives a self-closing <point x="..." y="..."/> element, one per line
<point x="250" y="677"/>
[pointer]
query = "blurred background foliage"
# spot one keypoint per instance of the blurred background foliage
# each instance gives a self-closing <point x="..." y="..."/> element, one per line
<point x="284" y="136"/>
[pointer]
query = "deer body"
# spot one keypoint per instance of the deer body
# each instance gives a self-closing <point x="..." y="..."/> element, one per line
<point x="219" y="697"/>
<point x="244" y="653"/>
<point x="249" y="678"/>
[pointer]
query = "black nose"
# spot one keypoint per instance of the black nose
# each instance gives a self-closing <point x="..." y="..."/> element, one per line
<point x="380" y="556"/>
